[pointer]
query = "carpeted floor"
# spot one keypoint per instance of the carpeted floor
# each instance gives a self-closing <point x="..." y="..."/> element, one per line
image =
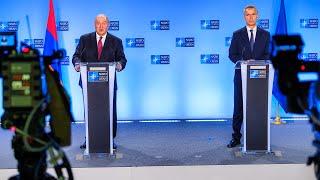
<point x="182" y="143"/>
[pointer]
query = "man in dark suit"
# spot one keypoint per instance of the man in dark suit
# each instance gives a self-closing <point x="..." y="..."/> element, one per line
<point x="101" y="46"/>
<point x="248" y="43"/>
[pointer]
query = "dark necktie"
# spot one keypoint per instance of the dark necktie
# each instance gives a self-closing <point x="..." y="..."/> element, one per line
<point x="99" y="47"/>
<point x="251" y="40"/>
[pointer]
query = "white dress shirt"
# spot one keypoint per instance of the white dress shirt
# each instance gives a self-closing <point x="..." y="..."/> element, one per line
<point x="254" y="33"/>
<point x="103" y="38"/>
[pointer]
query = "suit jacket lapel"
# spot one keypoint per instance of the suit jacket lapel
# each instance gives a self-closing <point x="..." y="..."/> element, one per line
<point x="94" y="45"/>
<point x="107" y="49"/>
<point x="245" y="38"/>
<point x="258" y="39"/>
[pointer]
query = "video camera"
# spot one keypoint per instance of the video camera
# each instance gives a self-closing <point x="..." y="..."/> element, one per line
<point x="294" y="74"/>
<point x="31" y="91"/>
<point x="299" y="81"/>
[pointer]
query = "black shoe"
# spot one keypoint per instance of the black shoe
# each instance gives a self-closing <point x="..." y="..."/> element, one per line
<point x="233" y="143"/>
<point x="83" y="146"/>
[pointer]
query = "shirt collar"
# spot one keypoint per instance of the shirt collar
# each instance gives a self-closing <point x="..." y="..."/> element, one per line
<point x="98" y="36"/>
<point x="254" y="29"/>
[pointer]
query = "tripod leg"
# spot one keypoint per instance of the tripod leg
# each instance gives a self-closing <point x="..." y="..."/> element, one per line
<point x="31" y="165"/>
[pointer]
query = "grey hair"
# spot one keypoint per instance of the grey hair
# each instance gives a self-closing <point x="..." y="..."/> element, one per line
<point x="250" y="7"/>
<point x="103" y="16"/>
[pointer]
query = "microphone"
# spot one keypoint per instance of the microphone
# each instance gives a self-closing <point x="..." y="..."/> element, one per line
<point x="237" y="66"/>
<point x="80" y="58"/>
<point x="82" y="53"/>
<point x="242" y="53"/>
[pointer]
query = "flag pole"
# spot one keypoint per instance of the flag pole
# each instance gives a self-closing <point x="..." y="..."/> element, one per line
<point x="277" y="120"/>
<point x="281" y="29"/>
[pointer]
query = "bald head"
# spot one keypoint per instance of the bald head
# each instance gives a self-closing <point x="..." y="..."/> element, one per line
<point x="101" y="24"/>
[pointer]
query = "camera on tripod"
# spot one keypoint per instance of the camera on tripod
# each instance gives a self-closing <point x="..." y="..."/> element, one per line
<point x="299" y="82"/>
<point x="296" y="78"/>
<point x="31" y="91"/>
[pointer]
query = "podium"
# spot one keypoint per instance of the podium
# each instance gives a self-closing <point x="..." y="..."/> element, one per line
<point x="257" y="82"/>
<point x="98" y="89"/>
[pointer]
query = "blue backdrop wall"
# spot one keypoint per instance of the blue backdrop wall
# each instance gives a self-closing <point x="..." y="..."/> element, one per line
<point x="162" y="80"/>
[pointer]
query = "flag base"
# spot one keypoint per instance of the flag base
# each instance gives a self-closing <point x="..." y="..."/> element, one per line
<point x="278" y="121"/>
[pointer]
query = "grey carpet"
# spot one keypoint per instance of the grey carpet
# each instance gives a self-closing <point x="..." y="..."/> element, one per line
<point x="171" y="144"/>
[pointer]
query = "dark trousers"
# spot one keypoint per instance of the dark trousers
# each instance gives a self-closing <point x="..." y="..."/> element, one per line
<point x="115" y="117"/>
<point x="237" y="106"/>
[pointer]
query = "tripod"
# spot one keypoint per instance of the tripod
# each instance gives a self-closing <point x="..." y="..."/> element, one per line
<point x="32" y="144"/>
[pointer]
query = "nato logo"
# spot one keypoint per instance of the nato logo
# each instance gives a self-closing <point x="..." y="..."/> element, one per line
<point x="209" y="58"/>
<point x="134" y="42"/>
<point x="160" y="25"/>
<point x="309" y="23"/>
<point x="10" y="26"/>
<point x="3" y="26"/>
<point x="309" y="56"/>
<point x="210" y="24"/>
<point x="36" y="43"/>
<point x="63" y="26"/>
<point x="65" y="61"/>
<point x="93" y="76"/>
<point x="228" y="41"/>
<point x="185" y="42"/>
<point x="114" y="26"/>
<point x="263" y="23"/>
<point x="96" y="76"/>
<point x="160" y="59"/>
<point x="258" y="73"/>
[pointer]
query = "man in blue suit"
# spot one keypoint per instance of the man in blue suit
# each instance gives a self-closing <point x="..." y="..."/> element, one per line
<point x="248" y="43"/>
<point x="104" y="47"/>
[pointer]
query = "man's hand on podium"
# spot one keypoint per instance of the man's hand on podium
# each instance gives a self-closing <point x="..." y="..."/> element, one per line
<point x="77" y="67"/>
<point x="118" y="67"/>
